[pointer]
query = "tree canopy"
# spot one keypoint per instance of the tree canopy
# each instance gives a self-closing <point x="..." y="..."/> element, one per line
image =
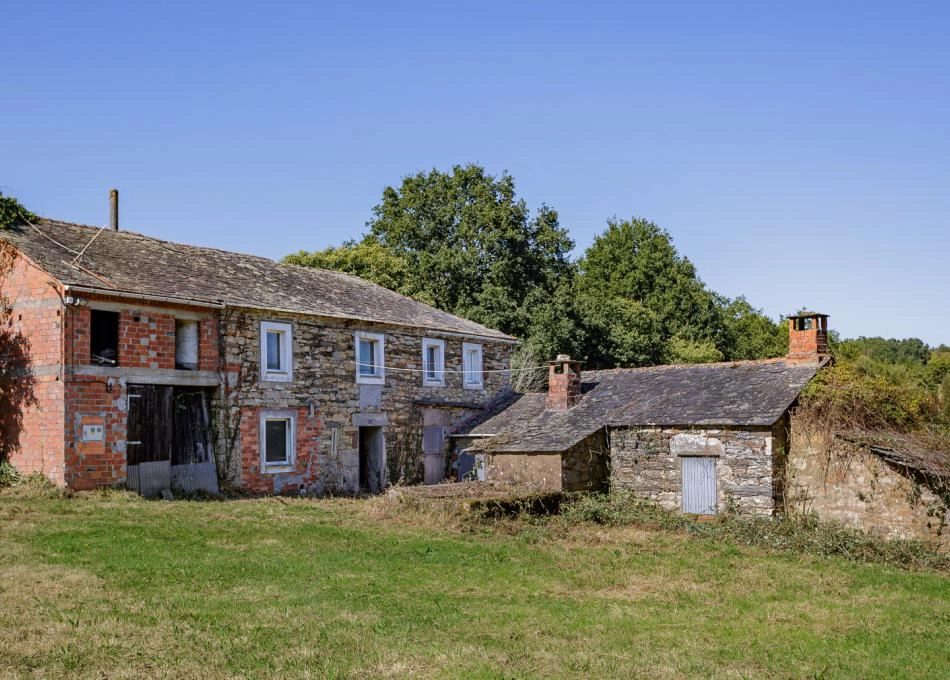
<point x="463" y="242"/>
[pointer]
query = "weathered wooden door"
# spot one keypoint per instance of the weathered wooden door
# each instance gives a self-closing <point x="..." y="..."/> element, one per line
<point x="169" y="445"/>
<point x="149" y="439"/>
<point x="699" y="485"/>
<point x="433" y="442"/>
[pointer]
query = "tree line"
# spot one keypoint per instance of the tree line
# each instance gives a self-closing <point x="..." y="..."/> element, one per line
<point x="464" y="242"/>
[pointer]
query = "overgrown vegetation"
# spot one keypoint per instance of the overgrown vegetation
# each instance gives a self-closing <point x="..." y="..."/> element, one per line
<point x="807" y="535"/>
<point x="12" y="212"/>
<point x="106" y="584"/>
<point x="885" y="385"/>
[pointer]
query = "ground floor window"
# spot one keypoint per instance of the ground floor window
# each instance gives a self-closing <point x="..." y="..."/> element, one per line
<point x="277" y="440"/>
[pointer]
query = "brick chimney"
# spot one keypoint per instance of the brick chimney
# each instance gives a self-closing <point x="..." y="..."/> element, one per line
<point x="564" y="383"/>
<point x="807" y="336"/>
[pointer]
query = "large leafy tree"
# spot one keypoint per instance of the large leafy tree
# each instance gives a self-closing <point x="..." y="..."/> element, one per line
<point x="464" y="242"/>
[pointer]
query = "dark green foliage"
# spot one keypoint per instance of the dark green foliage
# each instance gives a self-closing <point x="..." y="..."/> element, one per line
<point x="463" y="242"/>
<point x="891" y="350"/>
<point x="12" y="212"/>
<point x="635" y="260"/>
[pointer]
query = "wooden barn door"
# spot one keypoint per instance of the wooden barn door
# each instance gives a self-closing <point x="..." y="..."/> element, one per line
<point x="699" y="485"/>
<point x="169" y="441"/>
<point x="149" y="439"/>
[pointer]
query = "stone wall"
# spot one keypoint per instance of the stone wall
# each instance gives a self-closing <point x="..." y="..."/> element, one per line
<point x="647" y="461"/>
<point x="583" y="467"/>
<point x="840" y="480"/>
<point x="324" y="386"/>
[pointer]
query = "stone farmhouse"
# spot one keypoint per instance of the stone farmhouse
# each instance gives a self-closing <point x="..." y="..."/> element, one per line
<point x="704" y="437"/>
<point x="164" y="366"/>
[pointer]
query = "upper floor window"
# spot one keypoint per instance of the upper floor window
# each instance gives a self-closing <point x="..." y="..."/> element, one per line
<point x="370" y="358"/>
<point x="103" y="337"/>
<point x="433" y="362"/>
<point x="276" y="354"/>
<point x="472" y="365"/>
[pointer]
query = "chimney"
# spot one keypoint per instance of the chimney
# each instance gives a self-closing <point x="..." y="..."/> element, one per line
<point x="114" y="209"/>
<point x="564" y="383"/>
<point x="807" y="336"/>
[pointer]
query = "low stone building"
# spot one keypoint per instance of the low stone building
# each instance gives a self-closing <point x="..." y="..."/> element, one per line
<point x="691" y="437"/>
<point x="163" y="365"/>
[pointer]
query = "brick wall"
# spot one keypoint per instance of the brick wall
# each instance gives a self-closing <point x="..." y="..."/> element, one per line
<point x="37" y="317"/>
<point x="306" y="469"/>
<point x="146" y="343"/>
<point x="92" y="400"/>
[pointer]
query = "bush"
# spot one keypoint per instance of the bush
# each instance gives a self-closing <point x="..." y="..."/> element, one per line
<point x="9" y="475"/>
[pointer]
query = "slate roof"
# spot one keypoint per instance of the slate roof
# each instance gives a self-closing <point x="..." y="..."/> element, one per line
<point x="123" y="262"/>
<point x="751" y="393"/>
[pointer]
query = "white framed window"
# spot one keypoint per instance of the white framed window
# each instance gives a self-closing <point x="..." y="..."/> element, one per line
<point x="276" y="351"/>
<point x="278" y="440"/>
<point x="472" y="366"/>
<point x="433" y="362"/>
<point x="370" y="358"/>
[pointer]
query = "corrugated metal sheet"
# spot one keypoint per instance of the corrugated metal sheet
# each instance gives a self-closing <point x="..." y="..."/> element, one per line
<point x="194" y="477"/>
<point x="699" y="485"/>
<point x="150" y="478"/>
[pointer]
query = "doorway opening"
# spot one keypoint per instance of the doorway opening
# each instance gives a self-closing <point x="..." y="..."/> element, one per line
<point x="372" y="459"/>
<point x="169" y="440"/>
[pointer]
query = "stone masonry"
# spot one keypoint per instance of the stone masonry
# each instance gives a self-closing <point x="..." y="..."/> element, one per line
<point x="647" y="461"/>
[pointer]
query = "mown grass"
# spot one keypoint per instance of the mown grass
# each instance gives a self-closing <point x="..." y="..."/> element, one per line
<point x="110" y="585"/>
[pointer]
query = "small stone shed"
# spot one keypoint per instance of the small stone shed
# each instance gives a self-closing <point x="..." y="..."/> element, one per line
<point x="692" y="437"/>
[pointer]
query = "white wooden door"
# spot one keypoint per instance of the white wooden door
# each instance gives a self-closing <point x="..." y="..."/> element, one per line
<point x="699" y="485"/>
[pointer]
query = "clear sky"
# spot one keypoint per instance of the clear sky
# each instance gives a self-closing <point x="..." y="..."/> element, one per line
<point x="798" y="152"/>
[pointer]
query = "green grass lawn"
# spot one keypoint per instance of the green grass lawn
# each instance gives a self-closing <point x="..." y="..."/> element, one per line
<point x="109" y="585"/>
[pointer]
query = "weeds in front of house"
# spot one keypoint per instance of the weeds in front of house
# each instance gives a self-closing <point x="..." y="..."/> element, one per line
<point x="806" y="535"/>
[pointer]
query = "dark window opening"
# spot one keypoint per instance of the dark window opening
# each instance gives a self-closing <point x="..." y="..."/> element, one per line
<point x="104" y="338"/>
<point x="803" y="324"/>
<point x="276" y="441"/>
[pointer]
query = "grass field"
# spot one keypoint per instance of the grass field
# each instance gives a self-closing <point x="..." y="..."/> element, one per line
<point x="110" y="585"/>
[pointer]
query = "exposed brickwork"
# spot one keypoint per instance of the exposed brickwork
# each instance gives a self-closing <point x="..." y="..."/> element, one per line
<point x="305" y="472"/>
<point x="37" y="315"/>
<point x="564" y="384"/>
<point x="92" y="400"/>
<point x="808" y="343"/>
<point x="146" y="340"/>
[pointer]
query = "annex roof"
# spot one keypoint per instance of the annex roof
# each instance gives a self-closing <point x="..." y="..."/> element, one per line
<point x="750" y="393"/>
<point x="127" y="263"/>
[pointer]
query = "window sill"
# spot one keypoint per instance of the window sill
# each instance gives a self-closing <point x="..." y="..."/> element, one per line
<point x="276" y="377"/>
<point x="479" y="386"/>
<point x="274" y="469"/>
<point x="432" y="383"/>
<point x="370" y="380"/>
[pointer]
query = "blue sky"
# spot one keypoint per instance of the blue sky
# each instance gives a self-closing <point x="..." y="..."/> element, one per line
<point x="799" y="153"/>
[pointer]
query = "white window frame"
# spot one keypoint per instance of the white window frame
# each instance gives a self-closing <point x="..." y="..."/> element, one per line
<point x="286" y="372"/>
<point x="439" y="380"/>
<point x="286" y="465"/>
<point x="472" y="380"/>
<point x="379" y="375"/>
